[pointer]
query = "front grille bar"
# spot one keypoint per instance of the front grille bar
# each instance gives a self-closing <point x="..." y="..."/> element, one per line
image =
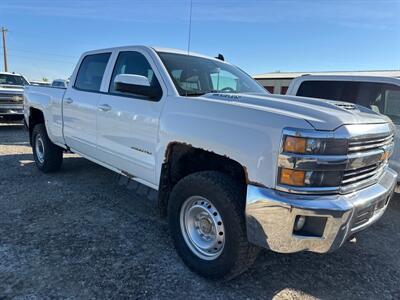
<point x="371" y="144"/>
<point x="362" y="175"/>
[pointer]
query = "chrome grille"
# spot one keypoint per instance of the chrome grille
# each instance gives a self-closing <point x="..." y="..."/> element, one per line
<point x="370" y="149"/>
<point x="362" y="162"/>
<point x="370" y="144"/>
<point x="364" y="173"/>
<point x="9" y="98"/>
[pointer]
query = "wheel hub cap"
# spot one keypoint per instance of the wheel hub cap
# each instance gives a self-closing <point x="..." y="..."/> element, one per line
<point x="205" y="226"/>
<point x="202" y="227"/>
<point x="39" y="147"/>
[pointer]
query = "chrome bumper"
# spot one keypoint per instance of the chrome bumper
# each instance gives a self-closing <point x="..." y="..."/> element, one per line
<point x="330" y="219"/>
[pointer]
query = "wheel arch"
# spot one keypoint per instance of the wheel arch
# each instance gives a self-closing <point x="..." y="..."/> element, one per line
<point x="36" y="116"/>
<point x="183" y="159"/>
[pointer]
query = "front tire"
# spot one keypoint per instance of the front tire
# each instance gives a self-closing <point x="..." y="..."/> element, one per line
<point x="48" y="156"/>
<point x="207" y="224"/>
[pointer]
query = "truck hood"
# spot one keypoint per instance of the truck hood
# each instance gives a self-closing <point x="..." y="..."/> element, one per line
<point x="11" y="89"/>
<point x="321" y="114"/>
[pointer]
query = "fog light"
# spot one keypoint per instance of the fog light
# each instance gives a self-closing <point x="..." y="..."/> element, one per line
<point x="299" y="223"/>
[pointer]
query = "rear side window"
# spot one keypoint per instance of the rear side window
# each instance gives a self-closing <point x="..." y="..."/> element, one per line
<point x="383" y="98"/>
<point x="91" y="71"/>
<point x="331" y="90"/>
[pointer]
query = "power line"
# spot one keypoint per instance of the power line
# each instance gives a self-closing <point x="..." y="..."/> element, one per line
<point x="44" y="53"/>
<point x="42" y="59"/>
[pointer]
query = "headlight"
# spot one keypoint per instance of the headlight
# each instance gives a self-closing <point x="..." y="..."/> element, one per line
<point x="302" y="145"/>
<point x="305" y="158"/>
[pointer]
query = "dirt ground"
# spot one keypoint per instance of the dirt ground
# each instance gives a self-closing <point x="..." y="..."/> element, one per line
<point x="81" y="234"/>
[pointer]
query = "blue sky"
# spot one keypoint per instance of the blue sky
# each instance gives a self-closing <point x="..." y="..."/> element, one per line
<point x="47" y="36"/>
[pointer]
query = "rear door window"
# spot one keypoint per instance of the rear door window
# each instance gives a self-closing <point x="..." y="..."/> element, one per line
<point x="382" y="98"/>
<point x="332" y="90"/>
<point x="91" y="71"/>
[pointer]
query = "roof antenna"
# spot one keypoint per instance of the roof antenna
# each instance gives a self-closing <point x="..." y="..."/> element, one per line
<point x="190" y="26"/>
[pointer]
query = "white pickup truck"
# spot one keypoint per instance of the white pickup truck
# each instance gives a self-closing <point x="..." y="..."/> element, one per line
<point x="11" y="96"/>
<point x="236" y="168"/>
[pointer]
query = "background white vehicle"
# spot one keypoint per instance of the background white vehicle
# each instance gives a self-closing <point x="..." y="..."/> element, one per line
<point x="60" y="83"/>
<point x="235" y="167"/>
<point x="39" y="83"/>
<point x="11" y="95"/>
<point x="380" y="94"/>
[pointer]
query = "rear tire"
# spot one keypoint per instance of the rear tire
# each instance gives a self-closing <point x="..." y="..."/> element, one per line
<point x="207" y="224"/>
<point x="48" y="156"/>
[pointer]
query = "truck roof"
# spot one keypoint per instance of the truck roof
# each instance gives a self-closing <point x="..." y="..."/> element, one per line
<point x="155" y="48"/>
<point x="361" y="78"/>
<point x="10" y="73"/>
<point x="291" y="75"/>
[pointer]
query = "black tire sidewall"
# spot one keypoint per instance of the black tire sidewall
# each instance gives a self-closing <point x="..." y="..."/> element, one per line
<point x="38" y="129"/>
<point x="222" y="200"/>
<point x="52" y="153"/>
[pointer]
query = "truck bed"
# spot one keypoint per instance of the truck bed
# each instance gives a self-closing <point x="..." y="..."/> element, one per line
<point x="49" y="101"/>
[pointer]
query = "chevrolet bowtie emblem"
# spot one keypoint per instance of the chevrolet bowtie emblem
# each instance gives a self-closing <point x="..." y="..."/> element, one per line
<point x="385" y="155"/>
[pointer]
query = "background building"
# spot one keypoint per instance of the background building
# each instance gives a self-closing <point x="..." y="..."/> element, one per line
<point x="278" y="82"/>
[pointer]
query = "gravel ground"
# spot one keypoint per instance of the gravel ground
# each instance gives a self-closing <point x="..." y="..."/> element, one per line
<point x="81" y="234"/>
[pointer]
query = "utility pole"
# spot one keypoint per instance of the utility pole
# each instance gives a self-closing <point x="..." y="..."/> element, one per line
<point x="3" y="31"/>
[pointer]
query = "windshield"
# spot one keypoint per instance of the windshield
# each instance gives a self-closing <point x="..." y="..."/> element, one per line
<point x="195" y="76"/>
<point x="8" y="79"/>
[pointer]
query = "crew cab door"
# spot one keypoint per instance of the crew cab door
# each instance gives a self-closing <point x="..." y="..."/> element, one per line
<point x="80" y="104"/>
<point x="127" y="130"/>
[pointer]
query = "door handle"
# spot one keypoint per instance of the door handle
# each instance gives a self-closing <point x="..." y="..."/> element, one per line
<point x="105" y="107"/>
<point x="68" y="100"/>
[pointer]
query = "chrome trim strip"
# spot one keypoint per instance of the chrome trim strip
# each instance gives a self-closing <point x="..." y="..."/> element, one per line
<point x="308" y="190"/>
<point x="329" y="162"/>
<point x="371" y="141"/>
<point x="362" y="176"/>
<point x="309" y="133"/>
<point x="352" y="173"/>
<point x="367" y="146"/>
<point x="344" y="189"/>
<point x="353" y="132"/>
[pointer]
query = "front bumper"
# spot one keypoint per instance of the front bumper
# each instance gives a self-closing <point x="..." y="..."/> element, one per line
<point x="330" y="219"/>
